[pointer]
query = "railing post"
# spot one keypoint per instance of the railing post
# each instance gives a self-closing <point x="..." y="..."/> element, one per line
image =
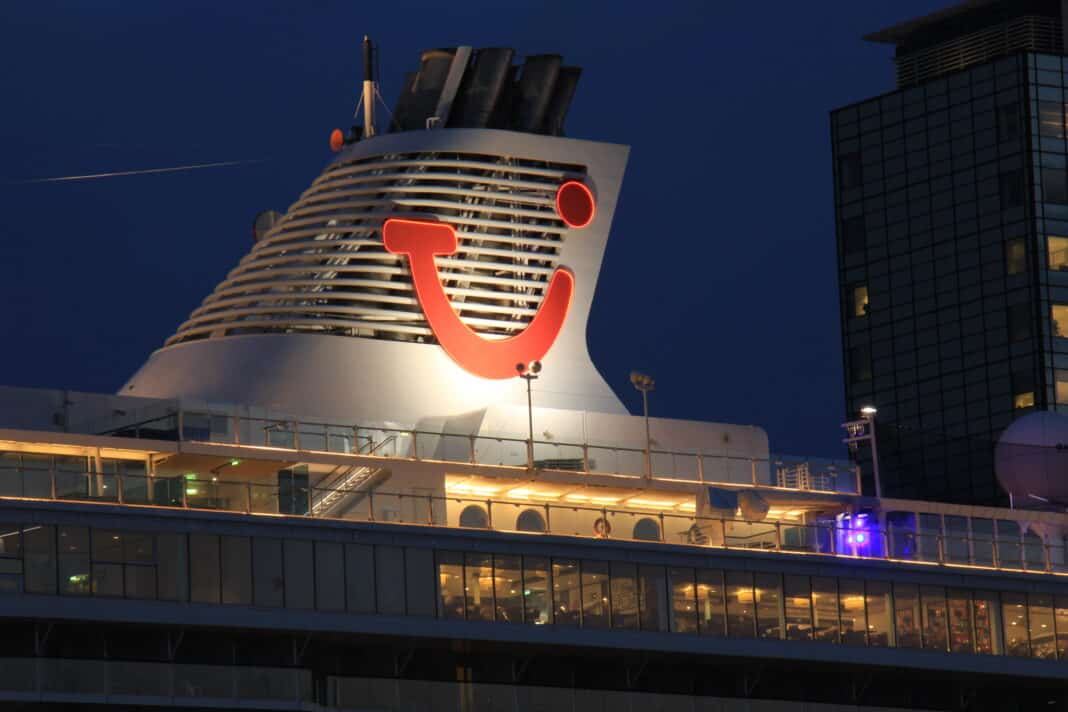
<point x="548" y="525"/>
<point x="371" y="505"/>
<point x="235" y="425"/>
<point x="663" y="534"/>
<point x="604" y="518"/>
<point x="181" y="425"/>
<point x="834" y="535"/>
<point x="489" y="513"/>
<point x="778" y="536"/>
<point x="430" y="509"/>
<point x="941" y="548"/>
<point x="248" y="502"/>
<point x="121" y="499"/>
<point x="856" y="476"/>
<point x="52" y="485"/>
<point x="185" y="497"/>
<point x="752" y="470"/>
<point x="585" y="457"/>
<point x="296" y="435"/>
<point x="471" y="450"/>
<point x="723" y="531"/>
<point x="700" y="468"/>
<point x="1045" y="550"/>
<point x="415" y="445"/>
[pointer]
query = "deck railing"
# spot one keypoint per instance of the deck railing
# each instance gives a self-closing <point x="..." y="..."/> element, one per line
<point x="1006" y="548"/>
<point x="502" y="451"/>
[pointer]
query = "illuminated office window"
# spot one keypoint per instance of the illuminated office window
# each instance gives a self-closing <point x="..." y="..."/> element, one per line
<point x="1058" y="252"/>
<point x="859" y="305"/>
<point x="1059" y="313"/>
<point x="1016" y="256"/>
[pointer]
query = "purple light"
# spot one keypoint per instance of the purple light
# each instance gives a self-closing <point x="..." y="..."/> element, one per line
<point x="861" y="538"/>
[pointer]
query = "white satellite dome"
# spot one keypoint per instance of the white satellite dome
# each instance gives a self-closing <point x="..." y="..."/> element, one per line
<point x="1031" y="458"/>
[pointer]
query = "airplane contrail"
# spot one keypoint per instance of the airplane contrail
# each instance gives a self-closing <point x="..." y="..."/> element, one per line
<point x="143" y="171"/>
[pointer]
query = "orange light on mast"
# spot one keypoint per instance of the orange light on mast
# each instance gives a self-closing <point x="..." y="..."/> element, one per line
<point x="337" y="140"/>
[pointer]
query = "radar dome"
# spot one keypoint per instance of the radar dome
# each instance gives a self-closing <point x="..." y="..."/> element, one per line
<point x="1031" y="458"/>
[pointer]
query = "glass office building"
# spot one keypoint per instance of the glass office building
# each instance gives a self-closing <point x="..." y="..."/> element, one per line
<point x="951" y="196"/>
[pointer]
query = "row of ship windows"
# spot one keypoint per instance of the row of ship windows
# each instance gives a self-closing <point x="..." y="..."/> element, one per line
<point x="747" y="605"/>
<point x="536" y="590"/>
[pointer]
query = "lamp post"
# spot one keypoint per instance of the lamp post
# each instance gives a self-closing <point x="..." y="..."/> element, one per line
<point x="529" y="372"/>
<point x="864" y="429"/>
<point x="645" y="383"/>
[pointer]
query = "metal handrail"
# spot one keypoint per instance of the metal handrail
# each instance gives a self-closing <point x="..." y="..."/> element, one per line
<point x="810" y="539"/>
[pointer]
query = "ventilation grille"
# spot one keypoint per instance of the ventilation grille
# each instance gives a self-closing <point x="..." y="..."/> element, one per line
<point x="323" y="268"/>
<point x="1029" y="33"/>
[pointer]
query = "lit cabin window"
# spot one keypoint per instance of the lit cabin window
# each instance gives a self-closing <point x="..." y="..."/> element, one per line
<point x="1060" y="320"/>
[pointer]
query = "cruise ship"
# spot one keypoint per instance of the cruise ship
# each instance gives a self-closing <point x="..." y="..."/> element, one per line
<point x="377" y="470"/>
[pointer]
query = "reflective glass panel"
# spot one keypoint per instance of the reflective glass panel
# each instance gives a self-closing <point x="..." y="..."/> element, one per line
<point x="710" y="600"/>
<point x="768" y="592"/>
<point x="478" y="586"/>
<point x="508" y="588"/>
<point x="536" y="600"/>
<point x="879" y="604"/>
<point x="959" y="608"/>
<point x="683" y="601"/>
<point x="851" y="610"/>
<point x="741" y="613"/>
<point x="1014" y="622"/>
<point x="1040" y="625"/>
<point x="798" y="599"/>
<point x="567" y="593"/>
<point x="986" y="614"/>
<point x="825" y="609"/>
<point x="595" y="592"/>
<point x="935" y="621"/>
<point x="907" y="616"/>
<point x="624" y="595"/>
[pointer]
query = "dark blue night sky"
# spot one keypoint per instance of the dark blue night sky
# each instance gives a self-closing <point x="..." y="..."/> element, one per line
<point x="719" y="278"/>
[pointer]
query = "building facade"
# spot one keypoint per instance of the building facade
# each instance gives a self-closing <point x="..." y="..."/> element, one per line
<point x="952" y="211"/>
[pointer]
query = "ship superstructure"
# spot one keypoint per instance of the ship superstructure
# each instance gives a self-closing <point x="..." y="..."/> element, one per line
<point x="326" y="492"/>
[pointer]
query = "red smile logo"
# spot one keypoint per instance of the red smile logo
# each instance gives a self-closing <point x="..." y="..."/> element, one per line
<point x="422" y="240"/>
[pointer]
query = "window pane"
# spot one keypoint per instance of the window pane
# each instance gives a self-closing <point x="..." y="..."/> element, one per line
<point x="1060" y="320"/>
<point x="959" y="605"/>
<point x="768" y="591"/>
<point x="1016" y="256"/>
<point x="173" y="567"/>
<point x="798" y="599"/>
<point x="710" y="598"/>
<point x="1040" y="625"/>
<point x="986" y="612"/>
<point x="299" y="574"/>
<point x="268" y="584"/>
<point x="1058" y="252"/>
<point x="536" y="601"/>
<point x="360" y="578"/>
<point x="419" y="587"/>
<point x="107" y="580"/>
<point x="40" y="559"/>
<point x="907" y="616"/>
<point x="652" y="598"/>
<point x="107" y="546"/>
<point x="879" y="607"/>
<point x="1054" y="186"/>
<point x="508" y="588"/>
<point x="478" y="586"/>
<point x="451" y="584"/>
<point x="741" y="616"/>
<point x="825" y="609"/>
<point x="204" y="568"/>
<point x="1014" y="619"/>
<point x="566" y="592"/>
<point x="595" y="585"/>
<point x="140" y="581"/>
<point x="956" y="540"/>
<point x="933" y="608"/>
<point x="683" y="601"/>
<point x="330" y="576"/>
<point x="624" y="595"/>
<point x="74" y="560"/>
<point x="860" y="300"/>
<point x="1061" y="385"/>
<point x="1008" y="538"/>
<point x="1061" y="621"/>
<point x="236" y="570"/>
<point x="851" y="601"/>
<point x="983" y="541"/>
<point x="1051" y="119"/>
<point x="389" y="580"/>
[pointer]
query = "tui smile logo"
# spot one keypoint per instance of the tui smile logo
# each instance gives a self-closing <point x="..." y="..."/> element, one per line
<point x="422" y="240"/>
